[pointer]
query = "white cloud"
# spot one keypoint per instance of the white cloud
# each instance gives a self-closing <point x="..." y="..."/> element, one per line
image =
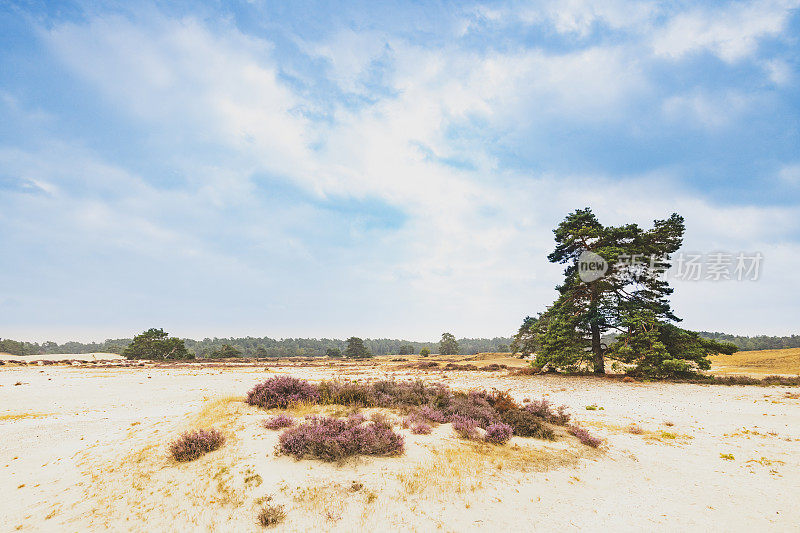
<point x="472" y="250"/>
<point x="732" y="32"/>
<point x="708" y="110"/>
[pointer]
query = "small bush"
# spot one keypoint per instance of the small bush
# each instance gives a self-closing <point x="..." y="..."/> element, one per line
<point x="279" y="422"/>
<point x="333" y="439"/>
<point x="726" y="456"/>
<point x="271" y="515"/>
<point x="421" y="428"/>
<point x="527" y="424"/>
<point x="502" y="401"/>
<point x="635" y="429"/>
<point x="346" y="393"/>
<point x="472" y="405"/>
<point x="544" y="410"/>
<point x="433" y="415"/>
<point x="466" y="428"/>
<point x="498" y="433"/>
<point x="192" y="444"/>
<point x="282" y="392"/>
<point x="585" y="437"/>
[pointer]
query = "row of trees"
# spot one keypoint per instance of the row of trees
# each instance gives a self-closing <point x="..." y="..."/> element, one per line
<point x="261" y="346"/>
<point x="629" y="300"/>
<point x="157" y="344"/>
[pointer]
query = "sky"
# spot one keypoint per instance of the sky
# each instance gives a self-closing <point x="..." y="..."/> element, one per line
<point x="382" y="169"/>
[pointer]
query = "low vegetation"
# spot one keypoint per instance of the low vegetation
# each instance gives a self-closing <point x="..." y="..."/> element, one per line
<point x="334" y="439"/>
<point x="496" y="413"/>
<point x="193" y="444"/>
<point x="271" y="515"/>
<point x="279" y="422"/>
<point x="282" y="392"/>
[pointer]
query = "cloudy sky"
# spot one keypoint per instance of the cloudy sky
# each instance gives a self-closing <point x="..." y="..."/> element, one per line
<point x="378" y="168"/>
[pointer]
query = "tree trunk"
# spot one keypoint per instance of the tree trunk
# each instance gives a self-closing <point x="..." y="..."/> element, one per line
<point x="597" y="350"/>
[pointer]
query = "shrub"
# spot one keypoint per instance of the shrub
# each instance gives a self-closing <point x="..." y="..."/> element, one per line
<point x="585" y="437"/>
<point x="635" y="429"/>
<point x="498" y="433"/>
<point x="333" y="439"/>
<point x="544" y="410"/>
<point x="271" y="515"/>
<point x="390" y="393"/>
<point x="466" y="428"/>
<point x="282" y="392"/>
<point x="279" y="422"/>
<point x="502" y="401"/>
<point x="526" y="424"/>
<point x="346" y="393"/>
<point x="431" y="414"/>
<point x="425" y="352"/>
<point x="192" y="444"/>
<point x="421" y="428"/>
<point x="472" y="405"/>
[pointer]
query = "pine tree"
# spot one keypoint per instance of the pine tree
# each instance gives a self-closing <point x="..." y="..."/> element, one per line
<point x="572" y="328"/>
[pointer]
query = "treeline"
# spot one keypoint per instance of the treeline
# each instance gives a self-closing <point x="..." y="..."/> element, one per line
<point x="759" y="342"/>
<point x="261" y="346"/>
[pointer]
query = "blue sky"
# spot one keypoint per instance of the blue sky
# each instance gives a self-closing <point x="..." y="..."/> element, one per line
<point x="382" y="169"/>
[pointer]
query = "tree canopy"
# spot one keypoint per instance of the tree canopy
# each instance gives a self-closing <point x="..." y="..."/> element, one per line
<point x="356" y="349"/>
<point x="629" y="298"/>
<point x="156" y="344"/>
<point x="448" y="345"/>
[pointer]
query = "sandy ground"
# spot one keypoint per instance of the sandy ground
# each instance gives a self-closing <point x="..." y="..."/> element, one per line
<point x="86" y="449"/>
<point x="94" y="356"/>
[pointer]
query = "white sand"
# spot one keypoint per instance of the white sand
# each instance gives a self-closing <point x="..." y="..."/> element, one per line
<point x="91" y="455"/>
<point x="94" y="356"/>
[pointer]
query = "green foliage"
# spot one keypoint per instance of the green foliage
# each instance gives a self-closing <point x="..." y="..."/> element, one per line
<point x="18" y="348"/>
<point x="406" y="349"/>
<point x="425" y="352"/>
<point x="660" y="349"/>
<point x="575" y="323"/>
<point x="333" y="352"/>
<point x="356" y="349"/>
<point x="562" y="339"/>
<point x="524" y="342"/>
<point x="759" y="342"/>
<point x="225" y="351"/>
<point x="156" y="344"/>
<point x="448" y="345"/>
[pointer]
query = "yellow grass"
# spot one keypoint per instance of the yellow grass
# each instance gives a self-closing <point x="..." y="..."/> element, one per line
<point x="785" y="361"/>
<point x="21" y="416"/>
<point x="461" y="468"/>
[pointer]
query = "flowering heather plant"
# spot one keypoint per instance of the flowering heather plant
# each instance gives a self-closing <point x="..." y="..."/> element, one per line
<point x="498" y="433"/>
<point x="421" y="428"/>
<point x="544" y="410"/>
<point x="333" y="439"/>
<point x="585" y="437"/>
<point x="466" y="428"/>
<point x="282" y="392"/>
<point x="527" y="424"/>
<point x="473" y="405"/>
<point x="433" y="415"/>
<point x="279" y="422"/>
<point x="347" y="393"/>
<point x="192" y="444"/>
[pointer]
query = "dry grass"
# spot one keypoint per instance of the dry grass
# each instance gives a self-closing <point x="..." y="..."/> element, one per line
<point x="785" y="361"/>
<point x="461" y="468"/>
<point x="10" y="417"/>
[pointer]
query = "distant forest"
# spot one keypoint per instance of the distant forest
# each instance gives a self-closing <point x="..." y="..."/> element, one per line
<point x="262" y="346"/>
<point x="760" y="342"/>
<point x="267" y="347"/>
